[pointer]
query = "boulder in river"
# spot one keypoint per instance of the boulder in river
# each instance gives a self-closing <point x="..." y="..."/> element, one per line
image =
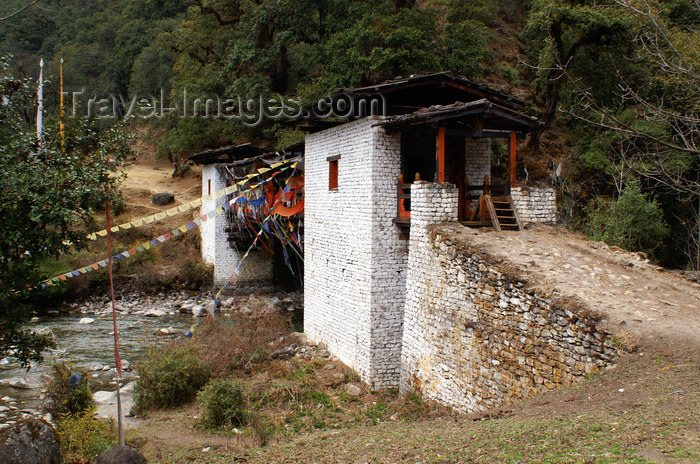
<point x="22" y="384"/>
<point x="198" y="310"/>
<point x="155" y="313"/>
<point x="86" y="320"/>
<point x="95" y="366"/>
<point x="164" y="331"/>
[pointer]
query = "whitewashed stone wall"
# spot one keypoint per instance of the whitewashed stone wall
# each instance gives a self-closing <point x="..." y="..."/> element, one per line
<point x="216" y="248"/>
<point x="476" y="336"/>
<point x="535" y="205"/>
<point x="354" y="257"/>
<point x="477" y="162"/>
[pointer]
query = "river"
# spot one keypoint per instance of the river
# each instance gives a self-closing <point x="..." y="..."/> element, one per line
<point x="88" y="346"/>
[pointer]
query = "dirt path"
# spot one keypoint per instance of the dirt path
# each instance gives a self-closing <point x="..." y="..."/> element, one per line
<point x="147" y="174"/>
<point x="635" y="296"/>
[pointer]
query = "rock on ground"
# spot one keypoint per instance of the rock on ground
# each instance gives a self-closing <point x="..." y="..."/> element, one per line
<point x="30" y="441"/>
<point x="352" y="389"/>
<point x="162" y="199"/>
<point x="106" y="402"/>
<point x="121" y="455"/>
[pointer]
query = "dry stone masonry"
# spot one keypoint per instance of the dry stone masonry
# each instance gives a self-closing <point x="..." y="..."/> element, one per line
<point x="425" y="312"/>
<point x="476" y="336"/>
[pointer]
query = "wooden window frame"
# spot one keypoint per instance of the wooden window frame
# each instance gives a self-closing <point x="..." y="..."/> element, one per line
<point x="333" y="172"/>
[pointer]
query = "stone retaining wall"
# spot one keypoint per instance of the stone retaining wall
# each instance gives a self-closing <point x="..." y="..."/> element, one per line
<point x="535" y="205"/>
<point x="475" y="334"/>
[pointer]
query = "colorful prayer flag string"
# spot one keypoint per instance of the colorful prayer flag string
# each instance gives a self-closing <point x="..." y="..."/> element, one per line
<point x="238" y="187"/>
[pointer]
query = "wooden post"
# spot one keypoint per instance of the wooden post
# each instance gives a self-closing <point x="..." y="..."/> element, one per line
<point x="401" y="209"/>
<point x="513" y="143"/>
<point x="441" y="155"/>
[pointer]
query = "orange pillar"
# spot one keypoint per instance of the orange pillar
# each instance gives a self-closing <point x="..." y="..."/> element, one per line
<point x="513" y="144"/>
<point x="441" y="155"/>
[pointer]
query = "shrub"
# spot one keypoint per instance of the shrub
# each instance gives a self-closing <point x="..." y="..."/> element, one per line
<point x="224" y="403"/>
<point x="263" y="428"/>
<point x="196" y="274"/>
<point x="169" y="377"/>
<point x="226" y="345"/>
<point x="633" y="221"/>
<point x="83" y="436"/>
<point x="62" y="397"/>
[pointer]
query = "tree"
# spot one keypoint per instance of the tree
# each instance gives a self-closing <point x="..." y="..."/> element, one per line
<point x="568" y="36"/>
<point x="632" y="221"/>
<point x="659" y="119"/>
<point x="656" y="119"/>
<point x="48" y="194"/>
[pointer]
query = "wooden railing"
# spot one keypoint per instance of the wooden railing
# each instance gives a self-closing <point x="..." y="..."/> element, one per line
<point x="470" y="193"/>
<point x="404" y="196"/>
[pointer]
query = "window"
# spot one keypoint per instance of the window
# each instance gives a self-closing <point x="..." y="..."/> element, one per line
<point x="208" y="186"/>
<point x="333" y="172"/>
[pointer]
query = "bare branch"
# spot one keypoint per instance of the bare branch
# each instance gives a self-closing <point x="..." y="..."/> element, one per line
<point x="19" y="11"/>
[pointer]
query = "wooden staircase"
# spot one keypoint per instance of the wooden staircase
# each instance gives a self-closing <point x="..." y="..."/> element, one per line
<point x="502" y="212"/>
<point x="499" y="210"/>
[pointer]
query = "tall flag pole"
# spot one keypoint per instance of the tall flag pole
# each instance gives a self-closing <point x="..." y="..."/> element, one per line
<point x="40" y="109"/>
<point x="117" y="357"/>
<point x="60" y="121"/>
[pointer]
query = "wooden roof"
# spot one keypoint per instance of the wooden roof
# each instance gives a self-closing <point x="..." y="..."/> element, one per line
<point x="407" y="94"/>
<point x="479" y="115"/>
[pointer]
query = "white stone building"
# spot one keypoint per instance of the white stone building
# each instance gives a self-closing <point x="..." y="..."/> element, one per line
<point x="359" y="174"/>
<point x="357" y="207"/>
<point x="219" y="246"/>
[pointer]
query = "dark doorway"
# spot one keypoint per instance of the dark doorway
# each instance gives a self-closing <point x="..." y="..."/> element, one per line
<point x="417" y="156"/>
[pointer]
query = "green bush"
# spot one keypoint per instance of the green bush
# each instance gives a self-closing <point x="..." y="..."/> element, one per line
<point x="633" y="221"/>
<point x="196" y="274"/>
<point x="83" y="436"/>
<point x="61" y="397"/>
<point x="169" y="377"/>
<point x="224" y="403"/>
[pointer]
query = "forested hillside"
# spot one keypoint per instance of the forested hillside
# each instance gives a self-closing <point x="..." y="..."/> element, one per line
<point x="615" y="82"/>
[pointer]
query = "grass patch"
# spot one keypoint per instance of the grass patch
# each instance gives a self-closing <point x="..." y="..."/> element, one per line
<point x="227" y="346"/>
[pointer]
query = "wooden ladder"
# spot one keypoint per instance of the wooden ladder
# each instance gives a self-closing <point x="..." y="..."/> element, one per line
<point x="502" y="213"/>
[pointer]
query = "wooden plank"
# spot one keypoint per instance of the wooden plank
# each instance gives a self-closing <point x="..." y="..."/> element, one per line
<point x="515" y="213"/>
<point x="492" y="213"/>
<point x="513" y="145"/>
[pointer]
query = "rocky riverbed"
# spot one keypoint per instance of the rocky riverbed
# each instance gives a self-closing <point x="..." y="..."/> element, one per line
<point x="84" y="335"/>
